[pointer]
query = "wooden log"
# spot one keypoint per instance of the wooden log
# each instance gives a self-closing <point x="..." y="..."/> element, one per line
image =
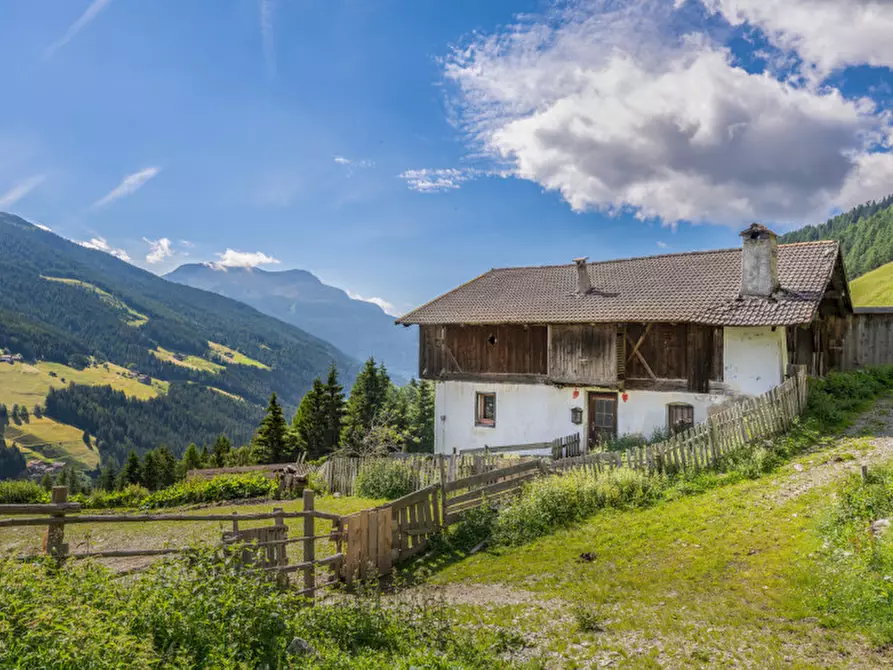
<point x="309" y="544"/>
<point x="48" y="508"/>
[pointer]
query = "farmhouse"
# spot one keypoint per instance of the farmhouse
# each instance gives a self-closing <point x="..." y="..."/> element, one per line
<point x="528" y="354"/>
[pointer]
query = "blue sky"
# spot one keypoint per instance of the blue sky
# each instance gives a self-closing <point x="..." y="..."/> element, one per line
<point x="397" y="148"/>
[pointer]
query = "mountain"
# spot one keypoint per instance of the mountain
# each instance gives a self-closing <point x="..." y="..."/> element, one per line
<point x="357" y="327"/>
<point x="210" y="362"/>
<point x="865" y="233"/>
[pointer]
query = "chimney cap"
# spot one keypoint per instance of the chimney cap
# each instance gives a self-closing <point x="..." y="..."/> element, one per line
<point x="581" y="260"/>
<point x="757" y="231"/>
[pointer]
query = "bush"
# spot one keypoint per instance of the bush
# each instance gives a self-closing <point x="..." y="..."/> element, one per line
<point x="218" y="489"/>
<point x="384" y="479"/>
<point x="199" y="613"/>
<point x="20" y="492"/>
<point x="130" y="496"/>
<point x="475" y="526"/>
<point x="554" y="502"/>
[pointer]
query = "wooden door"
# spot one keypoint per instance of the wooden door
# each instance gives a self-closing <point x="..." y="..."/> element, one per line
<point x="602" y="418"/>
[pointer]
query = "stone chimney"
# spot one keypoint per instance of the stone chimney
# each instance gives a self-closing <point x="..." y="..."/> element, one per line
<point x="583" y="285"/>
<point x="759" y="262"/>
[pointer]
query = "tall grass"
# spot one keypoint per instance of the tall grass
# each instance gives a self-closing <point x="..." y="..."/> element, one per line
<point x="855" y="585"/>
<point x="384" y="478"/>
<point x="201" y="613"/>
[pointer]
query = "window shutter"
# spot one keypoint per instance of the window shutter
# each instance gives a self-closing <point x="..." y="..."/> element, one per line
<point x="621" y="352"/>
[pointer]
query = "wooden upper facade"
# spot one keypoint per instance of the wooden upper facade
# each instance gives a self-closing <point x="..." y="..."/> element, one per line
<point x="659" y="356"/>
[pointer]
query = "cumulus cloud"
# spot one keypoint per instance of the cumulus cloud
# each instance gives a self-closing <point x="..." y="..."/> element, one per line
<point x="242" y="259"/>
<point x="20" y="190"/>
<point x="386" y="307"/>
<point x="826" y="34"/>
<point x="158" y="250"/>
<point x="100" y="244"/>
<point x="618" y="109"/>
<point x="129" y="185"/>
<point x="89" y="14"/>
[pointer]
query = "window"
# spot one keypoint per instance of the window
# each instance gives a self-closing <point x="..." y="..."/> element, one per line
<point x="485" y="409"/>
<point x="680" y="416"/>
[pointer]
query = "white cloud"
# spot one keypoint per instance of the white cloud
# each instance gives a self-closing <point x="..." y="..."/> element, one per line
<point x="242" y="259"/>
<point x="158" y="249"/>
<point x="617" y="108"/>
<point x="429" y="180"/>
<point x="89" y="14"/>
<point x="266" y="10"/>
<point x="827" y="34"/>
<point x="387" y="307"/>
<point x="341" y="160"/>
<point x="20" y="190"/>
<point x="662" y="245"/>
<point x="129" y="185"/>
<point x="354" y="165"/>
<point x="100" y="244"/>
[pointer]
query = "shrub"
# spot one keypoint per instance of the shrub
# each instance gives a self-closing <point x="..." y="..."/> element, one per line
<point x="384" y="478"/>
<point x="20" y="492"/>
<point x="475" y="526"/>
<point x="130" y="496"/>
<point x="199" y="613"/>
<point x="554" y="502"/>
<point x="218" y="489"/>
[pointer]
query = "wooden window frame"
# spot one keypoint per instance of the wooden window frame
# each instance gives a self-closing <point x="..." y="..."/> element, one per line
<point x="480" y="398"/>
<point x="676" y="407"/>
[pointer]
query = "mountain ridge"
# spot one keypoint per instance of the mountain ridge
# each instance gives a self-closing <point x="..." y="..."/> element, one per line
<point x="296" y="296"/>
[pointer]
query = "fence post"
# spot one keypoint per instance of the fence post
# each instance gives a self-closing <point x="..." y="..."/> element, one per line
<point x="309" y="544"/>
<point x="55" y="538"/>
<point x="443" y="490"/>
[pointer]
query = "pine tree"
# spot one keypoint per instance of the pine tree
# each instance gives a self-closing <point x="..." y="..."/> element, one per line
<point x="131" y="473"/>
<point x="166" y="466"/>
<point x="310" y="423"/>
<point x="23" y="414"/>
<point x="273" y="440"/>
<point x="108" y="476"/>
<point x="222" y="447"/>
<point x="4" y="415"/>
<point x="38" y="412"/>
<point x="421" y="417"/>
<point x="192" y="460"/>
<point x="149" y="477"/>
<point x="367" y="399"/>
<point x="334" y="410"/>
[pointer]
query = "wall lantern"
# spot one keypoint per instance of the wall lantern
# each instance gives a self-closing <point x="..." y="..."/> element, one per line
<point x="577" y="415"/>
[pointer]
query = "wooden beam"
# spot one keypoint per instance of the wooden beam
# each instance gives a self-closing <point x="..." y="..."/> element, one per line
<point x="639" y="343"/>
<point x="638" y="353"/>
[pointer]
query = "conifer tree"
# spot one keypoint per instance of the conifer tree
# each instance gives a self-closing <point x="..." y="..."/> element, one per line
<point x="421" y="417"/>
<point x="166" y="466"/>
<point x="192" y="460"/>
<point x="108" y="476"/>
<point x="149" y="477"/>
<point x="222" y="447"/>
<point x="310" y="422"/>
<point x="131" y="473"/>
<point x="367" y="399"/>
<point x="334" y="410"/>
<point x="273" y="440"/>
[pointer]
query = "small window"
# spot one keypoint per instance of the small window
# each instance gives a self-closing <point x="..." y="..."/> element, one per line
<point x="680" y="417"/>
<point x="485" y="409"/>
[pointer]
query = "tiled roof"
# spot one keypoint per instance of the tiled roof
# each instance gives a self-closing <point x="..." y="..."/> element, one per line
<point x="697" y="287"/>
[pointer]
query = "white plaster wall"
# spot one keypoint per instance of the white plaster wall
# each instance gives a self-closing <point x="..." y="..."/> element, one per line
<point x="754" y="359"/>
<point x="527" y="413"/>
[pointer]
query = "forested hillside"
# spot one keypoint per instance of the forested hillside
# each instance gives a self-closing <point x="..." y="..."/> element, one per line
<point x="62" y="302"/>
<point x="865" y="232"/>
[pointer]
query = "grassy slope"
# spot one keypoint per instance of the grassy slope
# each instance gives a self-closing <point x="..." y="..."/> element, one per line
<point x="722" y="578"/>
<point x="131" y="316"/>
<point x="193" y="362"/>
<point x="227" y="355"/>
<point x="874" y="289"/>
<point x="50" y="440"/>
<point x="23" y="384"/>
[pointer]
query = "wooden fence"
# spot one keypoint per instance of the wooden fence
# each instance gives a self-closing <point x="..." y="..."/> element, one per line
<point x="259" y="549"/>
<point x="464" y="494"/>
<point x="702" y="445"/>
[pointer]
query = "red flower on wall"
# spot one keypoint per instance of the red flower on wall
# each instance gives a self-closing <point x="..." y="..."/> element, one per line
<point x="624" y="397"/>
<point x="576" y="393"/>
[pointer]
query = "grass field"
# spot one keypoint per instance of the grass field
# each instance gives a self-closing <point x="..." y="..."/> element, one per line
<point x="193" y="362"/>
<point x="53" y="441"/>
<point x="28" y="385"/>
<point x="160" y="534"/>
<point x="228" y="355"/>
<point x="131" y="316"/>
<point x="226" y="393"/>
<point x="874" y="289"/>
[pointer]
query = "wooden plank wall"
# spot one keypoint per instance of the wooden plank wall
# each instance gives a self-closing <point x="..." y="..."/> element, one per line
<point x="472" y="350"/>
<point x="583" y="354"/>
<point x="867" y="340"/>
